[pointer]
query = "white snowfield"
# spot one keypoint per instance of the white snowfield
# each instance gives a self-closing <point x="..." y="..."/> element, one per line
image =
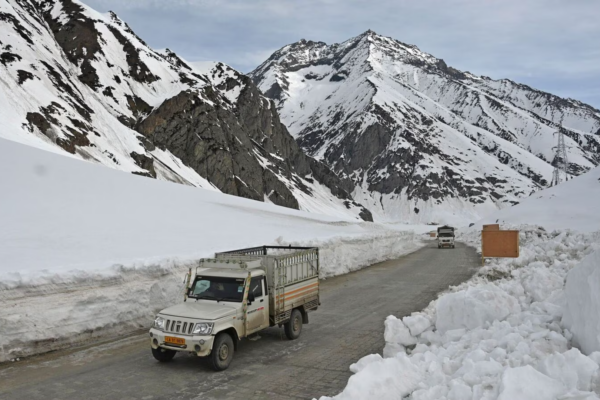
<point x="574" y="204"/>
<point x="88" y="251"/>
<point x="520" y="329"/>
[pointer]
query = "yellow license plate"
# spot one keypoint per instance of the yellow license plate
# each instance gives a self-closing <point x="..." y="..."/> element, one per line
<point x="174" y="340"/>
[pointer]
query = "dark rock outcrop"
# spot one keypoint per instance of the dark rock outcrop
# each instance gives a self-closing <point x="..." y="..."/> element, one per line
<point x="222" y="144"/>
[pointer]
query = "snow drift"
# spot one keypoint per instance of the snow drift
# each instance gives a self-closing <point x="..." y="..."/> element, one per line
<point x="88" y="251"/>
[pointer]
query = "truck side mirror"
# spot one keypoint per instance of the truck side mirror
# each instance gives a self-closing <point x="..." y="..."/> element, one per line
<point x="251" y="297"/>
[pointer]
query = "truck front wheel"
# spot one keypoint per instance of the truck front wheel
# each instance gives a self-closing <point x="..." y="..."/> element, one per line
<point x="222" y="352"/>
<point x="293" y="327"/>
<point x="163" y="355"/>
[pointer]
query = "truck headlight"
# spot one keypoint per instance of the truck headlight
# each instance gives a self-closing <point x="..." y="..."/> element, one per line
<point x="203" y="328"/>
<point x="159" y="323"/>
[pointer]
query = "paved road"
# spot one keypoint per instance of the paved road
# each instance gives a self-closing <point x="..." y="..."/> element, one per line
<point x="348" y="326"/>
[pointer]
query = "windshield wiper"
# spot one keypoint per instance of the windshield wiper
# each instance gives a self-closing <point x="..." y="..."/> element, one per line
<point x="212" y="298"/>
<point x="205" y="297"/>
<point x="215" y="298"/>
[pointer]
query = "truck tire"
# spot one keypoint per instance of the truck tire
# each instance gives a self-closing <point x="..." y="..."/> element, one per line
<point x="163" y="355"/>
<point x="222" y="352"/>
<point x="293" y="327"/>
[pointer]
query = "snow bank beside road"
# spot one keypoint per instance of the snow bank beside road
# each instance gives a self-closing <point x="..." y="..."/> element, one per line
<point x="92" y="306"/>
<point x="341" y="255"/>
<point x="89" y="252"/>
<point x="582" y="315"/>
<point x="473" y="307"/>
<point x="497" y="336"/>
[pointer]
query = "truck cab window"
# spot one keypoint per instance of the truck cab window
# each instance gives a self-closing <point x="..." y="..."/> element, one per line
<point x="256" y="286"/>
<point x="217" y="288"/>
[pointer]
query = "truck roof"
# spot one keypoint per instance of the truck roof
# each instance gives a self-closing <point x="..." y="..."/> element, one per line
<point x="235" y="267"/>
<point x="228" y="273"/>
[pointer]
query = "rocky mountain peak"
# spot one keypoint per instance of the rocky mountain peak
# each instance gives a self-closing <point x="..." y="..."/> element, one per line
<point x="423" y="141"/>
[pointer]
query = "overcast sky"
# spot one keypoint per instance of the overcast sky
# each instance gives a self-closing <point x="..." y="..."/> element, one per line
<point x="553" y="45"/>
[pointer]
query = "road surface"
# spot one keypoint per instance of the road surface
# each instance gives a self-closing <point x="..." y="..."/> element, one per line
<point x="347" y="326"/>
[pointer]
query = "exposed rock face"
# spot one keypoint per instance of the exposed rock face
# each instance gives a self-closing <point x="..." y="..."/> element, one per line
<point x="210" y="139"/>
<point x="85" y="82"/>
<point x="243" y="150"/>
<point x="423" y="141"/>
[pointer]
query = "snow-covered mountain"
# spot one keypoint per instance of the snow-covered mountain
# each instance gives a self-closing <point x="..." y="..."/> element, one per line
<point x="75" y="81"/>
<point x="422" y="140"/>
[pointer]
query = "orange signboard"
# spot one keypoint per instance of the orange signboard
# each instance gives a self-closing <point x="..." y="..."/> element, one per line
<point x="432" y="234"/>
<point x="499" y="243"/>
<point x="492" y="227"/>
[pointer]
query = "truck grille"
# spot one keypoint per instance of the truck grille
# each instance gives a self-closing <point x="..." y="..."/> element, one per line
<point x="177" y="326"/>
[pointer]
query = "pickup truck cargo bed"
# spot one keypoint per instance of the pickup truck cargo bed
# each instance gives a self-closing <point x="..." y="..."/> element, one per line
<point x="292" y="276"/>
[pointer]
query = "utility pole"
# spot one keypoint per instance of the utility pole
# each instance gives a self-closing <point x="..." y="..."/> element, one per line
<point x="561" y="162"/>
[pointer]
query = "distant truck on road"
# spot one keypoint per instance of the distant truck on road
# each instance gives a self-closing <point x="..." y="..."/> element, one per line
<point x="235" y="295"/>
<point x="445" y="236"/>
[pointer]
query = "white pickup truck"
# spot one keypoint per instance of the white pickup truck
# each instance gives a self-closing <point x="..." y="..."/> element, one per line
<point x="445" y="237"/>
<point x="235" y="295"/>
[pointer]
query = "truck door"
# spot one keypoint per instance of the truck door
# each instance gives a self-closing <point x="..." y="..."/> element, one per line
<point x="258" y="311"/>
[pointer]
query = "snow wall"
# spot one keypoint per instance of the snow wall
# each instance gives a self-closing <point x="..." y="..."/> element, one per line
<point x="582" y="314"/>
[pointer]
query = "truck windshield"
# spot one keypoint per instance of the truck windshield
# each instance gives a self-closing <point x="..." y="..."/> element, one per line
<point x="217" y="288"/>
<point x="445" y="234"/>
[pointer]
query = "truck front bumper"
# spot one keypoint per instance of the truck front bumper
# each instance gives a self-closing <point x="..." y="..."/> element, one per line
<point x="199" y="345"/>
